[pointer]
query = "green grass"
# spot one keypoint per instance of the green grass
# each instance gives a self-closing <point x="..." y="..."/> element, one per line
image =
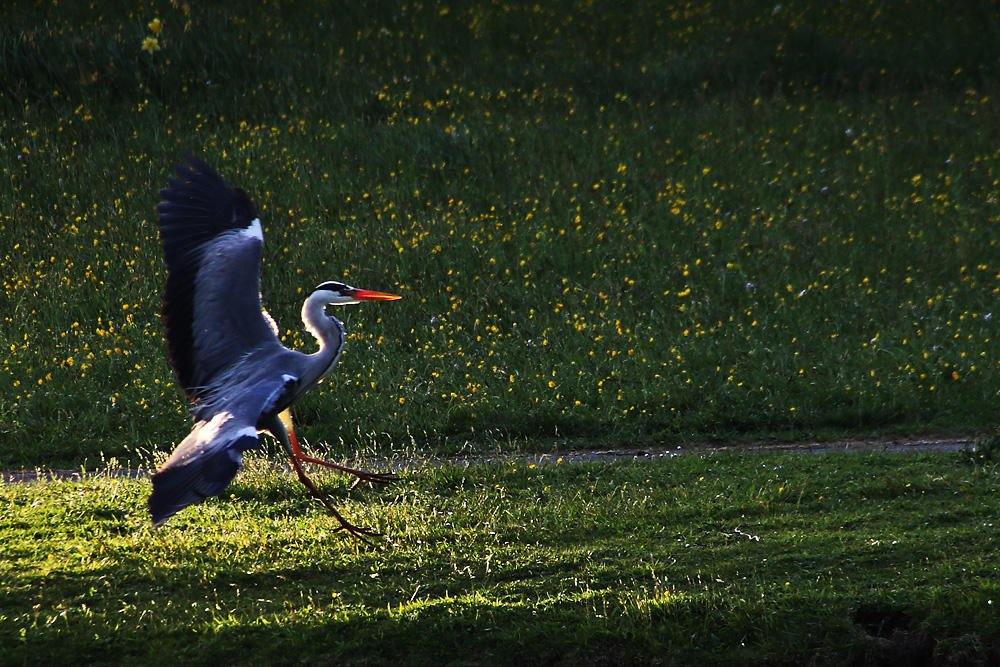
<point x="685" y="222"/>
<point x="716" y="559"/>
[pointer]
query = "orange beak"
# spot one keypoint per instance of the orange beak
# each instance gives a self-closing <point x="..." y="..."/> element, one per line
<point x="366" y="295"/>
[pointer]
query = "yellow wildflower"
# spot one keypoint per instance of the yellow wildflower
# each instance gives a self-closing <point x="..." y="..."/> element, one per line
<point x="150" y="44"/>
<point x="154" y="26"/>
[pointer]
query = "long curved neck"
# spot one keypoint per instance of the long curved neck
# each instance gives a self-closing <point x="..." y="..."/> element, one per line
<point x="328" y="331"/>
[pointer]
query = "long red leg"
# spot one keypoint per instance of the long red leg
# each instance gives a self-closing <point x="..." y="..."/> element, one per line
<point x="355" y="531"/>
<point x="280" y="427"/>
<point x="361" y="475"/>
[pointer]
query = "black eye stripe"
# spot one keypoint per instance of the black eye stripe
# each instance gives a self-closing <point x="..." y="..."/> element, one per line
<point x="332" y="286"/>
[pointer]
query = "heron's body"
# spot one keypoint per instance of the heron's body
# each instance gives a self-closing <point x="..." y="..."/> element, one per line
<point x="223" y="345"/>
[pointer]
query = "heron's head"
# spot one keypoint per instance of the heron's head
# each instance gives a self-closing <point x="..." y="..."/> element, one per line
<point x="339" y="294"/>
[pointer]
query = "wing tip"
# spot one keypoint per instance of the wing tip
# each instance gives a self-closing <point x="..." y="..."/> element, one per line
<point x="172" y="492"/>
<point x="196" y="192"/>
<point x="191" y="481"/>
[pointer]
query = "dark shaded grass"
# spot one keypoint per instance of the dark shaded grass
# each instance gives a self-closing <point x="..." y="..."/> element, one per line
<point x="676" y="223"/>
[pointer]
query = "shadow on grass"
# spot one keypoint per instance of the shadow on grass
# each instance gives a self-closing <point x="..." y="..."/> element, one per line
<point x="477" y="627"/>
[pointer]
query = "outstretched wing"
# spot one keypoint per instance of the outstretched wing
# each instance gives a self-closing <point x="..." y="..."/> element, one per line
<point x="212" y="243"/>
<point x="207" y="460"/>
<point x="201" y="466"/>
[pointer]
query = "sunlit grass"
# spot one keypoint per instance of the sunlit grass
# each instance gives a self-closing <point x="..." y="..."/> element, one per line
<point x="724" y="559"/>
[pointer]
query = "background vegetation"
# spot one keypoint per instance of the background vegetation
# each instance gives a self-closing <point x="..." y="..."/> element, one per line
<point x="680" y="222"/>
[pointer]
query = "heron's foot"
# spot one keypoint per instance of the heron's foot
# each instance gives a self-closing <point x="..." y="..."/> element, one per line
<point x="373" y="477"/>
<point x="361" y="475"/>
<point x="355" y="531"/>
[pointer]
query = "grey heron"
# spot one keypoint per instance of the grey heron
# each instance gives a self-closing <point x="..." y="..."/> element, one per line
<point x="224" y="347"/>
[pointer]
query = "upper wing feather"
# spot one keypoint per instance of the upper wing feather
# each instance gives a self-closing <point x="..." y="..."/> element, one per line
<point x="212" y="244"/>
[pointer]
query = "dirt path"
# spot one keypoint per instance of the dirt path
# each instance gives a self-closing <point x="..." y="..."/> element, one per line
<point x="889" y="445"/>
<point x="894" y="445"/>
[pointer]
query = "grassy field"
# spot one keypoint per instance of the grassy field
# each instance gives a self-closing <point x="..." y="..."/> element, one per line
<point x="685" y="222"/>
<point x="725" y="559"/>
